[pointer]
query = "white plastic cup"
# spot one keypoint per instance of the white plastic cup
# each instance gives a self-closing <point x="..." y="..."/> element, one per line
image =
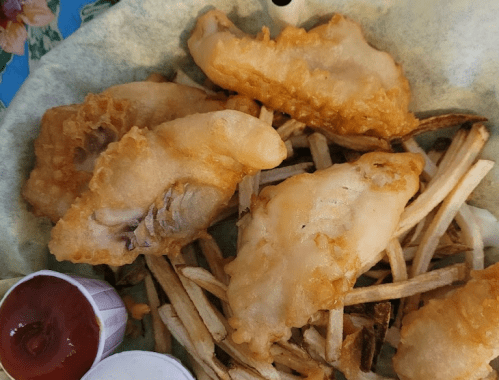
<point x="143" y="365"/>
<point x="108" y="307"/>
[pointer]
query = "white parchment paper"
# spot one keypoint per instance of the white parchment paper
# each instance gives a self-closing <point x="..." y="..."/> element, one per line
<point x="448" y="50"/>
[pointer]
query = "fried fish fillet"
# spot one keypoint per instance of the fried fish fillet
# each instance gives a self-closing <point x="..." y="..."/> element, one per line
<point x="72" y="137"/>
<point x="155" y="191"/>
<point x="328" y="77"/>
<point x="453" y="338"/>
<point x="307" y="240"/>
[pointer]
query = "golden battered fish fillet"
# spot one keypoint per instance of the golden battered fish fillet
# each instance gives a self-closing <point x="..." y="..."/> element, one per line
<point x="453" y="338"/>
<point x="54" y="184"/>
<point x="307" y="239"/>
<point x="72" y="137"/>
<point x="329" y="77"/>
<point x="155" y="191"/>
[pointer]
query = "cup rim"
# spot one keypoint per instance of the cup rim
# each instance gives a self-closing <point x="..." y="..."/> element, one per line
<point x="169" y="359"/>
<point x="68" y="278"/>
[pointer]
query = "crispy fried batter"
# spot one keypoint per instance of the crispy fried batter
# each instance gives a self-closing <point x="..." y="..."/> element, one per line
<point x="453" y="338"/>
<point x="307" y="239"/>
<point x="329" y="77"/>
<point x="155" y="191"/>
<point x="72" y="137"/>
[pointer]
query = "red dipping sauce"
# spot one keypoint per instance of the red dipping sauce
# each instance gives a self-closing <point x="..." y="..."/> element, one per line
<point x="48" y="331"/>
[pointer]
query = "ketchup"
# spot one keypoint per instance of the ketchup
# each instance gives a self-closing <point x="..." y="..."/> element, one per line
<point x="48" y="331"/>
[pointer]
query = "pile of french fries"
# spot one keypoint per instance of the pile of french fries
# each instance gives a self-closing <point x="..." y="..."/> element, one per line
<point x="435" y="224"/>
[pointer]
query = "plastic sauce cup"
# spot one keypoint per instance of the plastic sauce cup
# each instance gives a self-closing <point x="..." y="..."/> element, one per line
<point x="143" y="365"/>
<point x="48" y="314"/>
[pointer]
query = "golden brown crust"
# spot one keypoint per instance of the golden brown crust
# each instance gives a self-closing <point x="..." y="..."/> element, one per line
<point x="295" y="74"/>
<point x="453" y="338"/>
<point x="56" y="181"/>
<point x="72" y="137"/>
<point x="306" y="240"/>
<point x="155" y="191"/>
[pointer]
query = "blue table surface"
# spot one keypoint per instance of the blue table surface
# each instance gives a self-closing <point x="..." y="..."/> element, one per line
<point x="70" y="15"/>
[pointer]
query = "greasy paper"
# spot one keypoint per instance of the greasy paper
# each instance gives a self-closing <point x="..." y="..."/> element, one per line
<point x="447" y="48"/>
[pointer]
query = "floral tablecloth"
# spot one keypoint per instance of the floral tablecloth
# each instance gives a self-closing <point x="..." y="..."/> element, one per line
<point x="69" y="16"/>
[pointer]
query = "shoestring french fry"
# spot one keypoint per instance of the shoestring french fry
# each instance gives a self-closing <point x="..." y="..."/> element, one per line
<point x="430" y="168"/>
<point x="280" y="174"/>
<point x="472" y="237"/>
<point x="289" y="149"/>
<point x="417" y="231"/>
<point x="442" y="250"/>
<point x="299" y="141"/>
<point x="238" y="372"/>
<point x="205" y="359"/>
<point x="446" y="214"/>
<point x="315" y="343"/>
<point x="247" y="188"/>
<point x="469" y="228"/>
<point x="198" y="370"/>
<point x="334" y="335"/>
<point x="444" y="182"/>
<point x="359" y="143"/>
<point x="291" y="128"/>
<point x="206" y="280"/>
<point x="289" y="376"/>
<point x="298" y="361"/>
<point x="216" y="263"/>
<point x="200" y="301"/>
<point x="162" y="337"/>
<point x="184" y="308"/>
<point x="266" y="115"/>
<point x="319" y="150"/>
<point x="452" y="152"/>
<point x="397" y="261"/>
<point x="419" y="284"/>
<point x="377" y="273"/>
<point x="213" y="255"/>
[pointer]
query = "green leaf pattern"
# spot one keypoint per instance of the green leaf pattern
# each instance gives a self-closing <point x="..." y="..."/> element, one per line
<point x="54" y="7"/>
<point x="92" y="10"/>
<point x="42" y="39"/>
<point x="5" y="58"/>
